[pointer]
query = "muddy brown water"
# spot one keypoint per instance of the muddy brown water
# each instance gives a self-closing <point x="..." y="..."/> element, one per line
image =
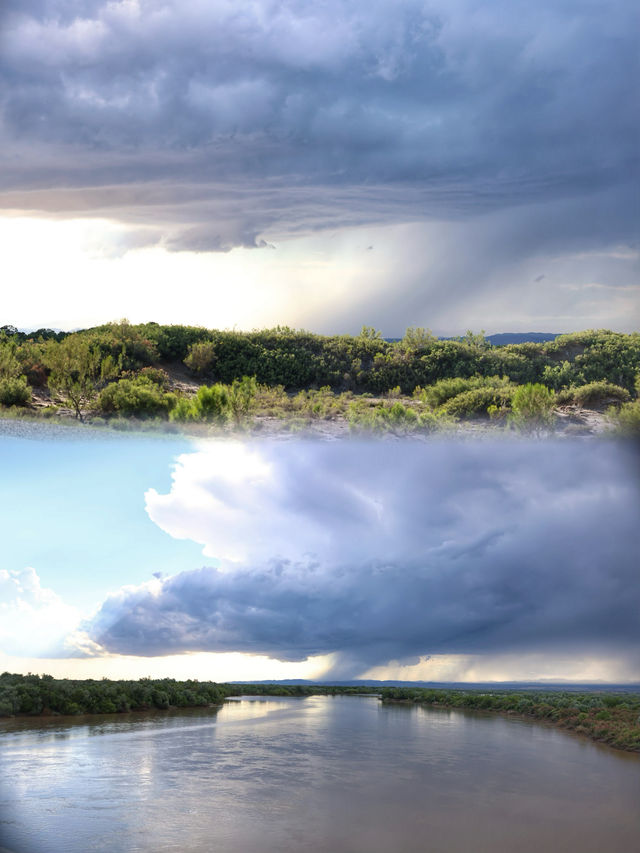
<point x="344" y="774"/>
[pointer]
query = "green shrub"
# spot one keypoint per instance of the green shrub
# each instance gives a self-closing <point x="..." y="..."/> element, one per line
<point x="140" y="397"/>
<point x="211" y="404"/>
<point x="441" y="392"/>
<point x="396" y="418"/>
<point x="156" y="375"/>
<point x="201" y="358"/>
<point x="593" y="394"/>
<point x="15" y="392"/>
<point x="445" y="389"/>
<point x="626" y="419"/>
<point x="183" y="411"/>
<point x="477" y="401"/>
<point x="532" y="407"/>
<point x="242" y="395"/>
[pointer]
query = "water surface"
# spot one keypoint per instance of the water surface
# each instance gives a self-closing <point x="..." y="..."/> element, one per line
<point x="316" y="774"/>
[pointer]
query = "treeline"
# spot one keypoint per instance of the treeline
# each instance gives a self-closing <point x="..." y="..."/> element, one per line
<point x="35" y="694"/>
<point x="612" y="718"/>
<point x="44" y="695"/>
<point x="125" y="370"/>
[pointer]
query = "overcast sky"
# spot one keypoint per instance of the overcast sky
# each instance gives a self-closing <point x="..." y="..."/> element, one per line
<point x="514" y="560"/>
<point x="322" y="164"/>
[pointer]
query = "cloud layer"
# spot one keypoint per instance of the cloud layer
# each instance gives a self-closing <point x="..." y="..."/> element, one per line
<point x="206" y="125"/>
<point x="378" y="552"/>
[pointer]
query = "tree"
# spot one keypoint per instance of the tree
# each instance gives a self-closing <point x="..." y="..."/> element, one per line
<point x="13" y="387"/>
<point x="9" y="365"/>
<point x="75" y="371"/>
<point x="476" y="342"/>
<point x="369" y="333"/>
<point x="417" y="339"/>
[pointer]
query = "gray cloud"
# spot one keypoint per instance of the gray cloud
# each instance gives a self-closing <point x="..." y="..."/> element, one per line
<point x="214" y="125"/>
<point x="517" y="548"/>
<point x="480" y="270"/>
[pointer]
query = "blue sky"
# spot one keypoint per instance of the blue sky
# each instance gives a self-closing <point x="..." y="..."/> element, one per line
<point x="75" y="511"/>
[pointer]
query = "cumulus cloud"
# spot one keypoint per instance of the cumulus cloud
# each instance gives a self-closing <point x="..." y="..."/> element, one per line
<point x="214" y="124"/>
<point x="33" y="620"/>
<point x="377" y="552"/>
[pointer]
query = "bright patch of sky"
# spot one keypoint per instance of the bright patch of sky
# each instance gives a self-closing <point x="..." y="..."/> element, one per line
<point x="329" y="283"/>
<point x="74" y="510"/>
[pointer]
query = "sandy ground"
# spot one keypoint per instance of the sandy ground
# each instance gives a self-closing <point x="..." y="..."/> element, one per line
<point x="571" y="422"/>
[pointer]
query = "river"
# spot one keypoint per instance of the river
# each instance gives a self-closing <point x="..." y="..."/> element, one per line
<point x="344" y="774"/>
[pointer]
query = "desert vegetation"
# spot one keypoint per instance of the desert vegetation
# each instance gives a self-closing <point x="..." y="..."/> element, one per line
<point x="184" y="375"/>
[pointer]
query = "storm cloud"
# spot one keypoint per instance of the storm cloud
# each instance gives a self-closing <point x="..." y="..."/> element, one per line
<point x="378" y="552"/>
<point x="208" y="125"/>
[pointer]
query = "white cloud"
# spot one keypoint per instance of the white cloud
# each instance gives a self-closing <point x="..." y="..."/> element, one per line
<point x="377" y="552"/>
<point x="34" y="621"/>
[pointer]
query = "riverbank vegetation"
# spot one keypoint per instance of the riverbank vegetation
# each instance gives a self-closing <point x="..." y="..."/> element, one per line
<point x="184" y="375"/>
<point x="43" y="695"/>
<point x="611" y="718"/>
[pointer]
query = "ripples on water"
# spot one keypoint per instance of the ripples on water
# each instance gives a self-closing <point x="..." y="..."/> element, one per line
<point x="316" y="774"/>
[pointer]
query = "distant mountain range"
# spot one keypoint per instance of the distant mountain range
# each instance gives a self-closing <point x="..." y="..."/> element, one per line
<point x="503" y="338"/>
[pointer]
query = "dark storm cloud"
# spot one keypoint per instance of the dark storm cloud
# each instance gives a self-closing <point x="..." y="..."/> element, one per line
<point x="213" y="123"/>
<point x="455" y="549"/>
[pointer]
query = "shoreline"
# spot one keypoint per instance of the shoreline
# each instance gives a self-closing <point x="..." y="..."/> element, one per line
<point x="581" y="731"/>
<point x="598" y="736"/>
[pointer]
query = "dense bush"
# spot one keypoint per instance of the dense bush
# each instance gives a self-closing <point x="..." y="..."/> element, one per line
<point x="201" y="357"/>
<point x="587" y="367"/>
<point x="156" y="375"/>
<point x="444" y="389"/>
<point x="14" y="392"/>
<point x="33" y="694"/>
<point x="598" y="355"/>
<point x="140" y="397"/>
<point x="532" y="407"/>
<point x="626" y="418"/>
<point x="593" y="394"/>
<point x="242" y="395"/>
<point x="210" y="404"/>
<point x="219" y="403"/>
<point x="478" y="401"/>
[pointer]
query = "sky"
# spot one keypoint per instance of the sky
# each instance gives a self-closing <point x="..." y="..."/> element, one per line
<point x="449" y="164"/>
<point x="446" y="164"/>
<point x="221" y="559"/>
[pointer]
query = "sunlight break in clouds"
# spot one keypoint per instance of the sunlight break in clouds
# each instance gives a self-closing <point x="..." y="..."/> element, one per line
<point x="33" y="620"/>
